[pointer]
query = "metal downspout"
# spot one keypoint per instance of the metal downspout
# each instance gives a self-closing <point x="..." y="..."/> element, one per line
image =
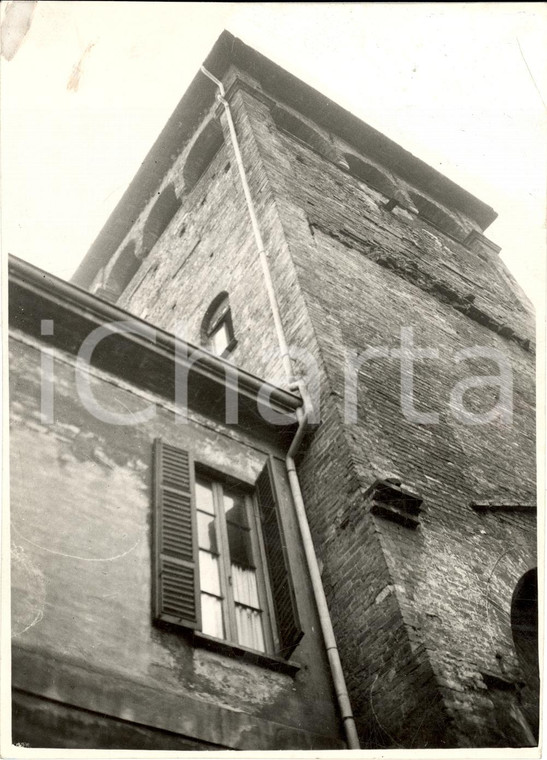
<point x="303" y="415"/>
<point x="315" y="574"/>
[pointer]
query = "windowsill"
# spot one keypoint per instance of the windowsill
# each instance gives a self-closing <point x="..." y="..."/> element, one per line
<point x="269" y="661"/>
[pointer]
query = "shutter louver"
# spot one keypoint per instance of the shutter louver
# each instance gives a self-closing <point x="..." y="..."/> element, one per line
<point x="288" y="623"/>
<point x="176" y="576"/>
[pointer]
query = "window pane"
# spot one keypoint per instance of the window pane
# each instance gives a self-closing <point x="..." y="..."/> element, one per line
<point x="244" y="586"/>
<point x="214" y="527"/>
<point x="239" y="542"/>
<point x="249" y="628"/>
<point x="206" y="532"/>
<point x="219" y="314"/>
<point x="204" y="497"/>
<point x="235" y="507"/>
<point x="220" y="338"/>
<point x="208" y="573"/>
<point x="211" y="616"/>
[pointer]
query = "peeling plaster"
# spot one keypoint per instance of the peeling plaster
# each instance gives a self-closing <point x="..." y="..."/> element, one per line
<point x="237" y="679"/>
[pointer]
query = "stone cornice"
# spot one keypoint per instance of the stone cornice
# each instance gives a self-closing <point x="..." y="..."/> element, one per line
<point x="283" y="86"/>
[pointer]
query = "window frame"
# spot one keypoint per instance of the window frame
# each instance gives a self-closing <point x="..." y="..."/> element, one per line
<point x="176" y="585"/>
<point x="218" y="484"/>
<point x="224" y="320"/>
<point x="219" y="314"/>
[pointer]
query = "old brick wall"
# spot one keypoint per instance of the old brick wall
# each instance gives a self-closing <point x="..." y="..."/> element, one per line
<point x="208" y="243"/>
<point x="419" y="615"/>
<point x="81" y="619"/>
<point x="208" y="268"/>
<point x="365" y="273"/>
<point x="202" y="253"/>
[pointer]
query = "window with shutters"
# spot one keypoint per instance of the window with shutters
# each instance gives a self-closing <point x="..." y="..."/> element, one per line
<point x="221" y="566"/>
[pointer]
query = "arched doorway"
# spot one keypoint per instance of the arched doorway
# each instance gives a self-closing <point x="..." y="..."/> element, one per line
<point x="524" y="627"/>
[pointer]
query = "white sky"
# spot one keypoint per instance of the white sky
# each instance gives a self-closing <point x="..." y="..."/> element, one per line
<point x="445" y="80"/>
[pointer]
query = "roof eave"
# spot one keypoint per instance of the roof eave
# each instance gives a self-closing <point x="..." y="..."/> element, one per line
<point x="37" y="295"/>
<point x="198" y="99"/>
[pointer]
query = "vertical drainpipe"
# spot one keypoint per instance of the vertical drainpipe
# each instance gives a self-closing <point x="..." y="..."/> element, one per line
<point x="302" y="415"/>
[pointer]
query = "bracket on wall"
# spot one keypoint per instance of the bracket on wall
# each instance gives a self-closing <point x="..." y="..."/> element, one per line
<point x="501" y="682"/>
<point x="400" y="200"/>
<point x="389" y="499"/>
<point x="493" y="506"/>
<point x="478" y="243"/>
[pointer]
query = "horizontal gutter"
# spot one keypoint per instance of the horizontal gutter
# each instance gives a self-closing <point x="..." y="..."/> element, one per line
<point x="74" y="300"/>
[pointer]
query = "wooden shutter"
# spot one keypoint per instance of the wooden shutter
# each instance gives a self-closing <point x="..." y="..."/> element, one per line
<point x="286" y="613"/>
<point x="176" y="568"/>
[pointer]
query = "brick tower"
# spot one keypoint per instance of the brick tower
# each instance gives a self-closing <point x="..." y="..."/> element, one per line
<point x="422" y="511"/>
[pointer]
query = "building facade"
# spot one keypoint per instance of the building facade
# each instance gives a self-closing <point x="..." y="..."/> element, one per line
<point x="115" y="503"/>
<point x="418" y="476"/>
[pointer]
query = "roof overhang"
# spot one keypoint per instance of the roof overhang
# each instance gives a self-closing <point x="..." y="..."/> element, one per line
<point x="275" y="81"/>
<point x="147" y="357"/>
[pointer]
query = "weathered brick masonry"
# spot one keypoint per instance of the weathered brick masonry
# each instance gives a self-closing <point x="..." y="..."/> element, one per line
<point x="422" y="615"/>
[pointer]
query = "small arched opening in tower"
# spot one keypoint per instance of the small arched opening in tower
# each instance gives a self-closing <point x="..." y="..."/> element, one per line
<point x="217" y="329"/>
<point x="524" y="627"/>
<point x="437" y="216"/>
<point x="371" y="175"/>
<point x="290" y="123"/>
<point x="123" y="270"/>
<point x="163" y="210"/>
<point x="201" y="154"/>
